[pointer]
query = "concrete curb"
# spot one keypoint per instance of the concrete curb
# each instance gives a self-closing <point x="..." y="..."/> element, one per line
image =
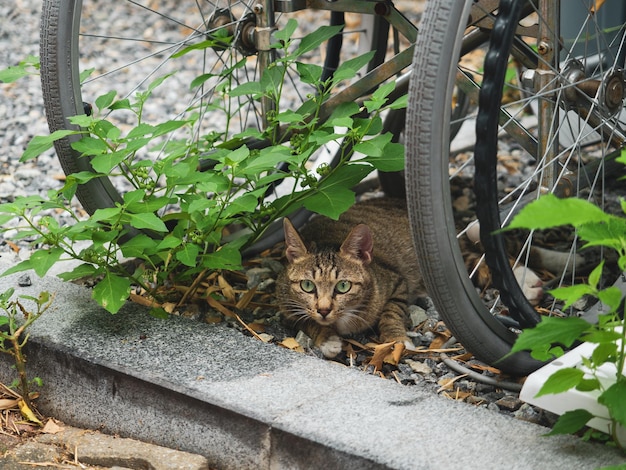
<point x="208" y="390"/>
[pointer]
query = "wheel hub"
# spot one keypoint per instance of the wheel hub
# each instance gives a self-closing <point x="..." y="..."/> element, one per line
<point x="610" y="91"/>
<point x="226" y="32"/>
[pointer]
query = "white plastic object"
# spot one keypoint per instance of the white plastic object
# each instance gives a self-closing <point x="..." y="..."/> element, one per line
<point x="573" y="399"/>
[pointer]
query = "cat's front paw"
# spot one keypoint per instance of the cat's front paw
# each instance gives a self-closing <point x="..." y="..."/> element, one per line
<point x="331" y="346"/>
<point x="531" y="284"/>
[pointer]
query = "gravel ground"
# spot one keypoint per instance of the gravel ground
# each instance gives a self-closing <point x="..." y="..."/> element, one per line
<point x="23" y="117"/>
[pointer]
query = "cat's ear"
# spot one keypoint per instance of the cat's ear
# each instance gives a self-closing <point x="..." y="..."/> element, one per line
<point x="359" y="244"/>
<point x="294" y="246"/>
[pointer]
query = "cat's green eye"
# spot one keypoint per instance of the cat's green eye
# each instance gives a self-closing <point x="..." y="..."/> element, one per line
<point x="343" y="286"/>
<point x="307" y="286"/>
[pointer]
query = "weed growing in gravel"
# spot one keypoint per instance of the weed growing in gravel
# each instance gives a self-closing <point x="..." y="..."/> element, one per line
<point x="174" y="217"/>
<point x="549" y="338"/>
<point x="14" y="325"/>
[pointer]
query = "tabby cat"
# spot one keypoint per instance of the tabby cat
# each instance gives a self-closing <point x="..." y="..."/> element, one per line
<point x="349" y="277"/>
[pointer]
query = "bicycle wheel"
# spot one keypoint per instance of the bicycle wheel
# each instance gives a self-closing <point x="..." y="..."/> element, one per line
<point x="444" y="175"/>
<point x="82" y="56"/>
<point x="577" y="87"/>
<point x="439" y="169"/>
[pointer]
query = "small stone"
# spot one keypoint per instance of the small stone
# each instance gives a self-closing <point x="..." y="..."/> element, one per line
<point x="419" y="367"/>
<point x="24" y="281"/>
<point x="474" y="400"/>
<point x="528" y="413"/>
<point x="418" y="315"/>
<point x="257" y="275"/>
<point x="509" y="403"/>
<point x="275" y="265"/>
<point x="493" y="407"/>
<point x="267" y="285"/>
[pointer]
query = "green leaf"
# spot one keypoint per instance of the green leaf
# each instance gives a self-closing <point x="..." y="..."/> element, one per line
<point x="28" y="66"/>
<point x="40" y="143"/>
<point x="82" y="270"/>
<point x="253" y="89"/>
<point x="588" y="385"/>
<point x="43" y="260"/>
<point x="201" y="45"/>
<point x="375" y="146"/>
<point x="613" y="399"/>
<point x="227" y="257"/>
<point x="348" y="69"/>
<point x="601" y="336"/>
<point x="309" y="73"/>
<point x="188" y="255"/>
<point x="570" y="422"/>
<point x="286" y="34"/>
<point x="611" y="296"/>
<point x="392" y="158"/>
<point x="610" y="233"/>
<point x="561" y="381"/>
<point x="106" y="162"/>
<point x="571" y="294"/>
<point x="551" y="330"/>
<point x="90" y="146"/>
<point x="400" y="103"/>
<point x="244" y="204"/>
<point x="550" y="211"/>
<point x="272" y="80"/>
<point x="18" y="268"/>
<point x="594" y="276"/>
<point x="604" y="352"/>
<point x="315" y="39"/>
<point x="167" y="127"/>
<point x="104" y="101"/>
<point x="159" y="312"/>
<point x="112" y="292"/>
<point x="139" y="246"/>
<point x="200" y="80"/>
<point x="13" y="73"/>
<point x="379" y="97"/>
<point x="121" y="104"/>
<point x="147" y="220"/>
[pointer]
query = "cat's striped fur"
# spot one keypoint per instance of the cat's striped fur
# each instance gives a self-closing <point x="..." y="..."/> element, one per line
<point x="344" y="277"/>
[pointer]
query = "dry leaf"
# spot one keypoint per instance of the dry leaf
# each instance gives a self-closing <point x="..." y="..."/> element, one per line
<point x="141" y="300"/>
<point x="169" y="307"/>
<point x="381" y="351"/>
<point x="227" y="290"/>
<point x="291" y="343"/>
<point x="8" y="403"/>
<point x="245" y="299"/>
<point x="441" y="338"/>
<point x="446" y="384"/>
<point x="389" y="353"/>
<point x="457" y="395"/>
<point x="52" y="427"/>
<point x="28" y="413"/>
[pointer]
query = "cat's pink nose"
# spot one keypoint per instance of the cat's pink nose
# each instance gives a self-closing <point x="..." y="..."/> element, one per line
<point x="323" y="312"/>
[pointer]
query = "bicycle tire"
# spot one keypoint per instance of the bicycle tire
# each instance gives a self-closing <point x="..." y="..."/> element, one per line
<point x="431" y="216"/>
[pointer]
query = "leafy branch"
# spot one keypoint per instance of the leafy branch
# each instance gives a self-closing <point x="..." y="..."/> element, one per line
<point x="552" y="335"/>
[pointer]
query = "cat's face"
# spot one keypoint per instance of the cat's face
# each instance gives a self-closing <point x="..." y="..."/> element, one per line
<point x="329" y="290"/>
<point x="329" y="287"/>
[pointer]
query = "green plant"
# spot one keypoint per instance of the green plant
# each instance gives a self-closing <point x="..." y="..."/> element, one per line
<point x="549" y="338"/>
<point x="14" y="325"/>
<point x="174" y="216"/>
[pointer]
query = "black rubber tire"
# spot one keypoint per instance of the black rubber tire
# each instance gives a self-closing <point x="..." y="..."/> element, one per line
<point x="428" y="191"/>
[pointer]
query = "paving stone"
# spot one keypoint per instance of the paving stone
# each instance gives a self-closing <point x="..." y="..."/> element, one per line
<point x="95" y="448"/>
